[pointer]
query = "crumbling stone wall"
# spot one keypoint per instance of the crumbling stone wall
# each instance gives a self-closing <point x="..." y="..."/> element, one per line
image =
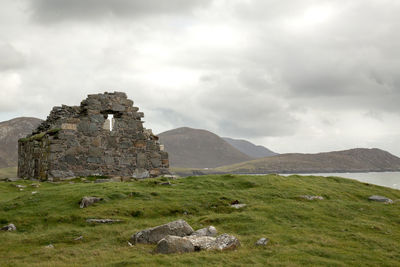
<point x="77" y="141"/>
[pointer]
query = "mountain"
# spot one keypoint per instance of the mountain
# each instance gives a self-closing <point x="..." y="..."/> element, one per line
<point x="353" y="160"/>
<point x="10" y="132"/>
<point x="194" y="148"/>
<point x="250" y="149"/>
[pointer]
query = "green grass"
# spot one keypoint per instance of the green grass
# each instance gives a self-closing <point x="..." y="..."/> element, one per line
<point x="344" y="229"/>
<point x="8" y="172"/>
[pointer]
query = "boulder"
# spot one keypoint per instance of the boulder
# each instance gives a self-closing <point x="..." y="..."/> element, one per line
<point x="380" y="199"/>
<point x="174" y="244"/>
<point x="262" y="241"/>
<point x="208" y="231"/>
<point x="201" y="242"/>
<point x="155" y="234"/>
<point x="10" y="227"/>
<point x="87" y="201"/>
<point x="225" y="242"/>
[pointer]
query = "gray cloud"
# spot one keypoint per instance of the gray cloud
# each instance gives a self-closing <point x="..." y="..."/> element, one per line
<point x="49" y="11"/>
<point x="10" y="57"/>
<point x="300" y="75"/>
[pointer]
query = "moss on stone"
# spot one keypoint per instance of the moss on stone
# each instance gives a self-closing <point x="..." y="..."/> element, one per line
<point x="39" y="136"/>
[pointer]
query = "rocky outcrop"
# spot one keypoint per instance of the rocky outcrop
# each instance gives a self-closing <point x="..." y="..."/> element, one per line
<point x="104" y="136"/>
<point x="155" y="234"/>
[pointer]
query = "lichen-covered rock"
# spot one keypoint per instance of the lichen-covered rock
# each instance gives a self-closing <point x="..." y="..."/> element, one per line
<point x="87" y="201"/>
<point x="155" y="234"/>
<point x="10" y="227"/>
<point x="201" y="242"/>
<point x="208" y="231"/>
<point x="225" y="242"/>
<point x="174" y="244"/>
<point x="380" y="199"/>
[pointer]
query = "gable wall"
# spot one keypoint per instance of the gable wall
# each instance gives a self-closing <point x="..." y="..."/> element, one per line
<point x="76" y="143"/>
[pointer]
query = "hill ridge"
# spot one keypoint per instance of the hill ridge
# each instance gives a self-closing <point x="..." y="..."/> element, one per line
<point x="350" y="160"/>
<point x="198" y="148"/>
<point x="250" y="149"/>
<point x="10" y="132"/>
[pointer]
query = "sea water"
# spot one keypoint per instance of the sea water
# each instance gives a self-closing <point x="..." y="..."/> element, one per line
<point x="388" y="179"/>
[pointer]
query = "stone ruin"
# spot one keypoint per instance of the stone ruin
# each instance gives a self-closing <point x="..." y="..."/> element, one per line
<point x="104" y="136"/>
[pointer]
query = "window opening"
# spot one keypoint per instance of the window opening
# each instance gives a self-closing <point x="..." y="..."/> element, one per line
<point x="110" y="117"/>
<point x="109" y="122"/>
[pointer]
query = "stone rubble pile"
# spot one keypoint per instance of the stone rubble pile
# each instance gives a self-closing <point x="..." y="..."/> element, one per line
<point x="179" y="237"/>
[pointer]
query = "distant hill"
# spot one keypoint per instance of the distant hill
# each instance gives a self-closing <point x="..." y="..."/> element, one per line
<point x="249" y="148"/>
<point x="10" y="132"/>
<point x="194" y="148"/>
<point x="353" y="160"/>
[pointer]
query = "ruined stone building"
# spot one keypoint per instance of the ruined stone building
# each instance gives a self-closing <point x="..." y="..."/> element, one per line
<point x="103" y="136"/>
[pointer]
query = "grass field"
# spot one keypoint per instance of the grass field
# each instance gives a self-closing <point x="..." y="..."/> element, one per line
<point x="343" y="229"/>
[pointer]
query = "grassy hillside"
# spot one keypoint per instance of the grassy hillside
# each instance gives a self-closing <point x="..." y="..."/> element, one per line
<point x="352" y="160"/>
<point x="343" y="229"/>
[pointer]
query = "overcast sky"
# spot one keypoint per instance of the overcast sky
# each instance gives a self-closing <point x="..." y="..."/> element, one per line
<point x="292" y="75"/>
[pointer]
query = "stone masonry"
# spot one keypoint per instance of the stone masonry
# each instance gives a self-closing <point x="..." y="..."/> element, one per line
<point x="80" y="141"/>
